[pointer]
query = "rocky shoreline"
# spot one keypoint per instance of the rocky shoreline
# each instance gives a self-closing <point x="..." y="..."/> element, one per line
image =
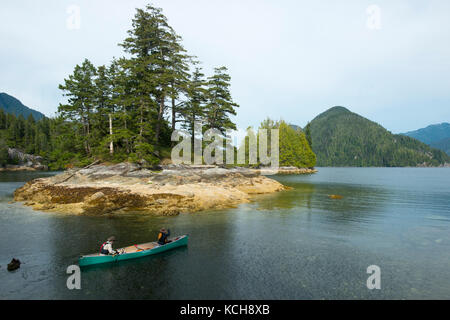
<point x="289" y="170"/>
<point x="24" y="162"/>
<point x="124" y="187"/>
<point x="16" y="168"/>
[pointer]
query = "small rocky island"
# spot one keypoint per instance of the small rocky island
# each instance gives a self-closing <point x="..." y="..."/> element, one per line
<point x="105" y="189"/>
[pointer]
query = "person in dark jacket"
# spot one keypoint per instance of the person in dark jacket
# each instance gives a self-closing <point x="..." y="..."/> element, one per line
<point x="163" y="237"/>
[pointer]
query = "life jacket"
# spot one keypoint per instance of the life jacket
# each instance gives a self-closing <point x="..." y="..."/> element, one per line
<point x="162" y="238"/>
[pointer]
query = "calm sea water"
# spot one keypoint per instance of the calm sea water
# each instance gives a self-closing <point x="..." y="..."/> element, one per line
<point x="298" y="244"/>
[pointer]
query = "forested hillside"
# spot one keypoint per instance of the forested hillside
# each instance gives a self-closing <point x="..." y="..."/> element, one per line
<point x="436" y="136"/>
<point x="9" y="104"/>
<point x="45" y="138"/>
<point x="343" y="138"/>
<point x="443" y="145"/>
<point x="431" y="134"/>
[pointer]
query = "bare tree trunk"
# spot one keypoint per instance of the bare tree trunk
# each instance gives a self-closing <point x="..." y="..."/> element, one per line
<point x="141" y="131"/>
<point x="160" y="116"/>
<point x="193" y="140"/>
<point x="174" y="114"/>
<point x="111" y="145"/>
<point x="88" y="132"/>
<point x="174" y="117"/>
<point x="127" y="143"/>
<point x="85" y="133"/>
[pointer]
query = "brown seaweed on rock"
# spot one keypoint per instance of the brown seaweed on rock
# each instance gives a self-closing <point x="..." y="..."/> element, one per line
<point x="103" y="189"/>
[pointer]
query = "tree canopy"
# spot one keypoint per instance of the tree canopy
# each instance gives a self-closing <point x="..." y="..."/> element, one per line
<point x="121" y="111"/>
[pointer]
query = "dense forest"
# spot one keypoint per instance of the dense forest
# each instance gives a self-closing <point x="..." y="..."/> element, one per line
<point x="128" y="109"/>
<point x="29" y="135"/>
<point x="295" y="149"/>
<point x="342" y="138"/>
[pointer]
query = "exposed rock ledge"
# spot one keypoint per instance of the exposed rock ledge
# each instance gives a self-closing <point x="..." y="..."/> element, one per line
<point x="25" y="162"/>
<point x="125" y="187"/>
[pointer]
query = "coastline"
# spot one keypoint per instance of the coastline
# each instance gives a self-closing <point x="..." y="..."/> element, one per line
<point x="22" y="168"/>
<point x="125" y="187"/>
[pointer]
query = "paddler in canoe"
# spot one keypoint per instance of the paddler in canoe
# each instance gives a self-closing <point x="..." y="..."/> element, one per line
<point x="107" y="248"/>
<point x="110" y="255"/>
<point x="163" y="237"/>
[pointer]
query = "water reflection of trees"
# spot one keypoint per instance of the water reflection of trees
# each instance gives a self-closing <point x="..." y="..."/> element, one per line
<point x="357" y="202"/>
<point x="300" y="196"/>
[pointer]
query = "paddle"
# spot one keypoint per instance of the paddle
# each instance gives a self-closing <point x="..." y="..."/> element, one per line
<point x="139" y="249"/>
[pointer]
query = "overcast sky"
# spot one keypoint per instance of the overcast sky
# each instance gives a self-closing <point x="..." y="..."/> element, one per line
<point x="386" y="60"/>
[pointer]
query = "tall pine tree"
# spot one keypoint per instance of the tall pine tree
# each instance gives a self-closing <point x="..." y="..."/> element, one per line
<point x="80" y="90"/>
<point x="220" y="104"/>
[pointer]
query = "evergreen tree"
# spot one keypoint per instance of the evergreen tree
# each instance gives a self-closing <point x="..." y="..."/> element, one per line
<point x="180" y="82"/>
<point x="104" y="114"/>
<point x="29" y="134"/>
<point x="194" y="109"/>
<point x="158" y="62"/>
<point x="220" y="104"/>
<point x="294" y="149"/>
<point x="123" y="100"/>
<point x="4" y="157"/>
<point x="80" y="90"/>
<point x="2" y="119"/>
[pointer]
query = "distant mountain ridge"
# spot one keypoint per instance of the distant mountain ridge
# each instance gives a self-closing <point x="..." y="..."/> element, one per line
<point x="9" y="104"/>
<point x="436" y="135"/>
<point x="343" y="138"/>
<point x="443" y="145"/>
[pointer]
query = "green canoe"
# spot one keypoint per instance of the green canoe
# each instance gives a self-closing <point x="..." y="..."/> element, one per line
<point x="133" y="252"/>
